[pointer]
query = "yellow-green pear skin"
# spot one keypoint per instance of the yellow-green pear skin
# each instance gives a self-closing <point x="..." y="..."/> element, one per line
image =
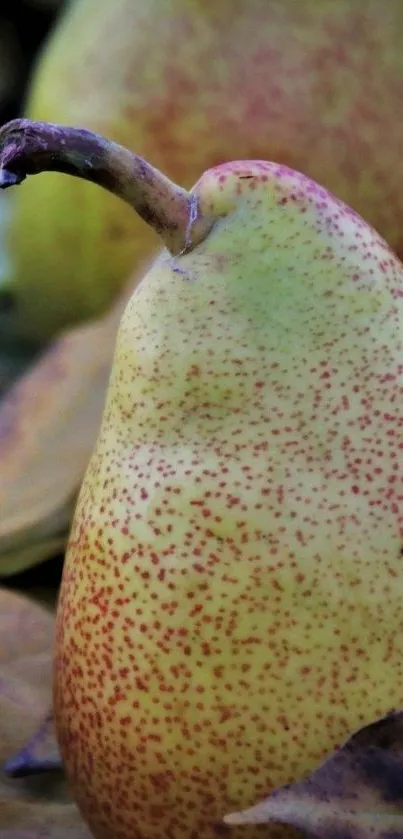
<point x="190" y="84"/>
<point x="232" y="599"/>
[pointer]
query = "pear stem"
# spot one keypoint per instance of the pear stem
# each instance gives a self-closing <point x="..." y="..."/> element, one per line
<point x="28" y="148"/>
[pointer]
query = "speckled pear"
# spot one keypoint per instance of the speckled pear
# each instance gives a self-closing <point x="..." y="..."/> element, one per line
<point x="231" y="604"/>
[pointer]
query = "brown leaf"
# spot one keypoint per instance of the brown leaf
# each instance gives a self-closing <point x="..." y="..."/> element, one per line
<point x="36" y="807"/>
<point x="13" y="363"/>
<point x="48" y="425"/>
<point x="357" y="793"/>
<point x="39" y="754"/>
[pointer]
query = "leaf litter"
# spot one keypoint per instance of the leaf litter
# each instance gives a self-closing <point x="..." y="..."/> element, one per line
<point x="357" y="793"/>
<point x="38" y="806"/>
<point x="48" y="425"/>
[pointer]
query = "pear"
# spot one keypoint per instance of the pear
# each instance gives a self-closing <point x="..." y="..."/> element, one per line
<point x="190" y="84"/>
<point x="231" y="603"/>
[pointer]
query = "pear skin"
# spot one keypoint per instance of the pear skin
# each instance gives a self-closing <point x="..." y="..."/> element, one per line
<point x="231" y="603"/>
<point x="189" y="84"/>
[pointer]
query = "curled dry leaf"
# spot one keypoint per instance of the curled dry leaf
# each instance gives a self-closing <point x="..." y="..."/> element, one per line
<point x="357" y="793"/>
<point x="13" y="363"/>
<point x="39" y="754"/>
<point x="36" y="807"/>
<point x="48" y="425"/>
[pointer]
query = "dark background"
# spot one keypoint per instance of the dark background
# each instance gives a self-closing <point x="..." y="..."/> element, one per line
<point x="24" y="24"/>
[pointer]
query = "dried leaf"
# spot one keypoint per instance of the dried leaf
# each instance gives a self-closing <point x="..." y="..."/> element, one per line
<point x="48" y="425"/>
<point x="40" y="754"/>
<point x="13" y="363"/>
<point x="36" y="807"/>
<point x="357" y="793"/>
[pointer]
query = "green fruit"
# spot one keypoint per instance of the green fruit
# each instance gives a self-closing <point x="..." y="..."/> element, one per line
<point x="189" y="83"/>
<point x="233" y="584"/>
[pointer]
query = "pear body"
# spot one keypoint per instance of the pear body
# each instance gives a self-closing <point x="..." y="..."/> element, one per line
<point x="190" y="84"/>
<point x="231" y="604"/>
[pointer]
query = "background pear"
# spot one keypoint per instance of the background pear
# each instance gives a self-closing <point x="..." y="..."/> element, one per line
<point x="192" y="83"/>
<point x="233" y="584"/>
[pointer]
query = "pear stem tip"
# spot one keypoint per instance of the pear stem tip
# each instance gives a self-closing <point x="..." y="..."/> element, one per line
<point x="8" y="178"/>
<point x="28" y="148"/>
